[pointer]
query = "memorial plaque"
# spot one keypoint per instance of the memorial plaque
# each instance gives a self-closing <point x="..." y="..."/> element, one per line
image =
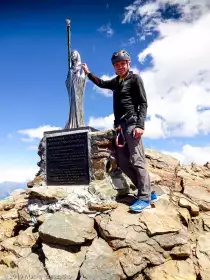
<point x="67" y="160"/>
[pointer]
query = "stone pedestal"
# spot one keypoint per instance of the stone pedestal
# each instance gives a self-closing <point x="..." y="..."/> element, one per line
<point x="101" y="150"/>
<point x="75" y="156"/>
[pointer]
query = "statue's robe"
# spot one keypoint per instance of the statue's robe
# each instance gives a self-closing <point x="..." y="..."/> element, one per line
<point x="75" y="84"/>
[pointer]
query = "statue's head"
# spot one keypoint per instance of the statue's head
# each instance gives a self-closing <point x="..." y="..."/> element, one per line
<point x="75" y="58"/>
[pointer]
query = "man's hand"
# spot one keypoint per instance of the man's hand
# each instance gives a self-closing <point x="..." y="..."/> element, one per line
<point x="85" y="68"/>
<point x="138" y="132"/>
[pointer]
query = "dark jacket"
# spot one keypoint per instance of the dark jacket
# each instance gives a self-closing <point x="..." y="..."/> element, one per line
<point x="129" y="97"/>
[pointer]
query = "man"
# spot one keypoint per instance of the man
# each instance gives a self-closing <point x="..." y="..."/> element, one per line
<point x="130" y="108"/>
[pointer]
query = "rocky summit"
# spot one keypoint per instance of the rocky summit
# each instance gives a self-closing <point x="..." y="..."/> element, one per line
<point x="88" y="233"/>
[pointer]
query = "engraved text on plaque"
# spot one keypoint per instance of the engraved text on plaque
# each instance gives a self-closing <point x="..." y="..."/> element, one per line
<point x="67" y="159"/>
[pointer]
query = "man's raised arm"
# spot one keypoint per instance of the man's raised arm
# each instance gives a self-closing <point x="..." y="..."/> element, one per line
<point x="109" y="84"/>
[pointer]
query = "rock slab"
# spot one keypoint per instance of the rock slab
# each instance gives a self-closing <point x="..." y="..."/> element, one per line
<point x="101" y="263"/>
<point x="67" y="228"/>
<point x="63" y="262"/>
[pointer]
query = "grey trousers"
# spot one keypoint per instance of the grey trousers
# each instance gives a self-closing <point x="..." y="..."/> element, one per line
<point x="131" y="160"/>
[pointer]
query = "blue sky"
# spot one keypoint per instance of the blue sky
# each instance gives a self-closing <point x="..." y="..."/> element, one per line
<point x="169" y="47"/>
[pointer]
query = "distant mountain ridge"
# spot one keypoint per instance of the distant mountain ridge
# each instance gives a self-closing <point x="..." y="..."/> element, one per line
<point x="7" y="187"/>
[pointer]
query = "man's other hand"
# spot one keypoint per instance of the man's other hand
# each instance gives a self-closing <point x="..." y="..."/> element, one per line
<point x="138" y="132"/>
<point x="85" y="68"/>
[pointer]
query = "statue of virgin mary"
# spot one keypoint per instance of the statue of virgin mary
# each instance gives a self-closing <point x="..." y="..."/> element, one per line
<point x="75" y="84"/>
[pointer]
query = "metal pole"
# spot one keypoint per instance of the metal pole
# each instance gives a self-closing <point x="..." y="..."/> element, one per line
<point x="69" y="41"/>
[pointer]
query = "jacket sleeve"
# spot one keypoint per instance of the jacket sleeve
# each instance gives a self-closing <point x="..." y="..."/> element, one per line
<point x="108" y="84"/>
<point x="140" y="101"/>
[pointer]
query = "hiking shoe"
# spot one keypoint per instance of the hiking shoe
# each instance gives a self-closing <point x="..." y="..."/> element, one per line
<point x="140" y="205"/>
<point x="154" y="196"/>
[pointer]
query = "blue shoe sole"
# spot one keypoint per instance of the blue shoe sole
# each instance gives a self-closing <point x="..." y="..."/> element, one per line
<point x="147" y="207"/>
<point x="154" y="200"/>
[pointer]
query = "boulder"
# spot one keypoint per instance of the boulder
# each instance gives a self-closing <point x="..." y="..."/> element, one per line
<point x="31" y="268"/>
<point x="24" y="217"/>
<point x="172" y="270"/>
<point x="155" y="178"/>
<point x="7" y="228"/>
<point x="63" y="262"/>
<point x="203" y="254"/>
<point x="47" y="193"/>
<point x="206" y="220"/>
<point x="10" y="246"/>
<point x="163" y="165"/>
<point x="19" y="246"/>
<point x="88" y="232"/>
<point x="42" y="218"/>
<point x="118" y="224"/>
<point x="99" y="168"/>
<point x="100" y="207"/>
<point x="26" y="238"/>
<point x="186" y="203"/>
<point x="199" y="195"/>
<point x="101" y="263"/>
<point x="135" y="260"/>
<point x="21" y="202"/>
<point x="8" y="273"/>
<point x="181" y="252"/>
<point x="139" y="277"/>
<point x="158" y="222"/>
<point x="101" y="148"/>
<point x="184" y="216"/>
<point x="169" y="240"/>
<point x="67" y="228"/>
<point x="10" y="214"/>
<point x="103" y="189"/>
<point x="7" y="203"/>
<point x="8" y="259"/>
<point x="194" y="175"/>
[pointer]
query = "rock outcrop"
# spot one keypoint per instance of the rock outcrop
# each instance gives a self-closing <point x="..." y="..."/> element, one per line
<point x="88" y="233"/>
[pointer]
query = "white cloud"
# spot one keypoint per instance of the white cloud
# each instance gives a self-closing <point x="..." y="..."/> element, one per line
<point x="33" y="148"/>
<point x="36" y="133"/>
<point x="153" y="126"/>
<point x="148" y="15"/>
<point x="153" y="130"/>
<point x="148" y="9"/>
<point x="189" y="154"/>
<point x="106" y="29"/>
<point x="178" y="82"/>
<point x="27" y="139"/>
<point x="102" y="123"/>
<point x="17" y="173"/>
<point x="105" y="92"/>
<point x="132" y="40"/>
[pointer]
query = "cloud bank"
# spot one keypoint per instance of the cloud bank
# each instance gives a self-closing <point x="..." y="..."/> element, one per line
<point x="178" y="79"/>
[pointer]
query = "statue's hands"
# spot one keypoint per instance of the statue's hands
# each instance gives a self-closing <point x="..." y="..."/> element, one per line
<point x="85" y="68"/>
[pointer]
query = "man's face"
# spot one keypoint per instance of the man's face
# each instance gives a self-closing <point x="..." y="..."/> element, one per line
<point x="122" y="67"/>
